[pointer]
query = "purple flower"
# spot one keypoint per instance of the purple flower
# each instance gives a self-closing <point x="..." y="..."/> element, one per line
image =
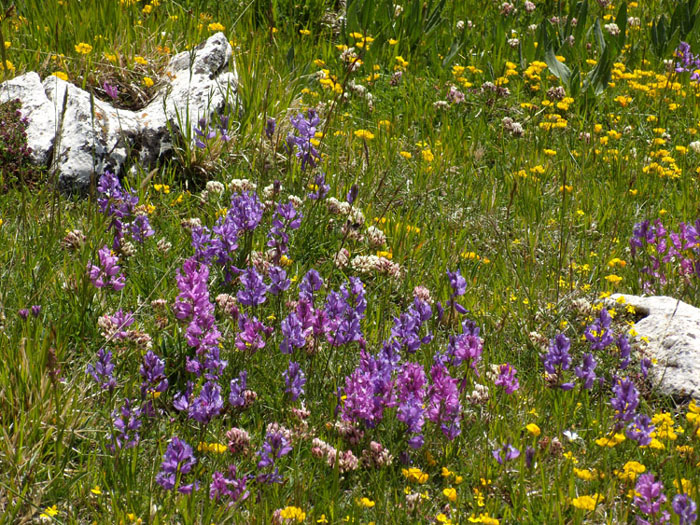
<point x="178" y="460"/>
<point x="238" y="386"/>
<point x="457" y="282"/>
<point x="270" y="127"/>
<point x="140" y="228"/>
<point x="352" y="194"/>
<point x="111" y="91"/>
<point x="465" y="347"/>
<point x="506" y="378"/>
<point x="294" y="379"/>
<point x="345" y="310"/>
<point x="320" y="187"/>
<point x="228" y="486"/>
<point x="126" y="422"/>
<point x="685" y="508"/>
<point x="153" y="374"/>
<point x="625" y="399"/>
<point x="598" y="334"/>
<point x="285" y="219"/>
<point x="36" y="310"/>
<point x="278" y="281"/>
<point x="294" y="334"/>
<point x="407" y="326"/>
<point x="102" y="371"/>
<point x="623" y="346"/>
<point x="640" y="429"/>
<point x="649" y="499"/>
<point x="274" y="447"/>
<point x="368" y="390"/>
<point x="107" y="273"/>
<point x="444" y="407"/>
<point x="23" y="313"/>
<point x="586" y="372"/>
<point x="410" y="392"/>
<point x="506" y="453"/>
<point x="306" y="131"/>
<point x="310" y="284"/>
<point x="254" y="289"/>
<point x="558" y="355"/>
<point x="208" y="404"/>
<point x="246" y="211"/>
<point x="250" y="335"/>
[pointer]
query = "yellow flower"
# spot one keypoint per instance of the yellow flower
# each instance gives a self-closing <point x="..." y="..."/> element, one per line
<point x="533" y="429"/>
<point x="304" y="32"/>
<point x="393" y="41"/>
<point x="630" y="471"/>
<point x="613" y="279"/>
<point x="364" y="134"/>
<point x="322" y="519"/>
<point x="450" y="493"/>
<point x="216" y="26"/>
<point x="60" y="74"/>
<point x="612" y="441"/>
<point x="83" y="48"/>
<point x="587" y="502"/>
<point x="49" y="512"/>
<point x="96" y="490"/>
<point x="140" y="60"/>
<point x="293" y="513"/>
<point x="415" y="474"/>
<point x="9" y="66"/>
<point x="405" y="154"/>
<point x="586" y="474"/>
<point x="148" y="82"/>
<point x="483" y="518"/>
<point x="366" y="502"/>
<point x="427" y="155"/>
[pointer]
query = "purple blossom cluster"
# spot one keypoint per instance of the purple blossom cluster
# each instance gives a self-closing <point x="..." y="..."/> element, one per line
<point x="121" y="207"/>
<point x="687" y="62"/>
<point x="106" y="273"/>
<point x="178" y="461"/>
<point x="655" y="246"/>
<point x="305" y="127"/>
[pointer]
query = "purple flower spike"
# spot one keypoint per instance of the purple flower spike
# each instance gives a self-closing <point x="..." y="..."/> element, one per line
<point x="685" y="508"/>
<point x="103" y="371"/>
<point x="295" y="380"/>
<point x="505" y="453"/>
<point x="649" y="500"/>
<point x="177" y="460"/>
<point x="506" y="378"/>
<point x="107" y="273"/>
<point x="254" y="290"/>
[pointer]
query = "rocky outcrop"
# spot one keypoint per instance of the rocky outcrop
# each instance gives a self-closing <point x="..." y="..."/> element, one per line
<point x="672" y="328"/>
<point x="83" y="136"/>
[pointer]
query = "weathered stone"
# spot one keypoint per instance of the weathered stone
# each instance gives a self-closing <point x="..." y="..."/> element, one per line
<point x="90" y="135"/>
<point x="38" y="108"/>
<point x="673" y="330"/>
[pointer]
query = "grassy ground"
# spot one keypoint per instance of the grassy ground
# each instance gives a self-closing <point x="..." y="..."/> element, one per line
<point x="501" y="140"/>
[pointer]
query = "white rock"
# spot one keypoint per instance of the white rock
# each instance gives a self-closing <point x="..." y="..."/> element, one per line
<point x="91" y="136"/>
<point x="42" y="129"/>
<point x="673" y="330"/>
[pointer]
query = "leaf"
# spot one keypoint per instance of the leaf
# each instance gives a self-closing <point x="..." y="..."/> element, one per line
<point x="290" y="57"/>
<point x="581" y="14"/>
<point x="598" y="33"/>
<point x="558" y="69"/>
<point x="621" y="22"/>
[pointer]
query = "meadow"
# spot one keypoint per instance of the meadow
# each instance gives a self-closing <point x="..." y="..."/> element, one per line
<point x="377" y="291"/>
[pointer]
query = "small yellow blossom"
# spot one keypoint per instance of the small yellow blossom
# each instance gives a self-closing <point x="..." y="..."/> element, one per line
<point x="304" y="32"/>
<point x="83" y="48"/>
<point x="587" y="502"/>
<point x="450" y="493"/>
<point x="148" y="82"/>
<point x="533" y="429"/>
<point x="216" y="26"/>
<point x="293" y="513"/>
<point x="365" y="502"/>
<point x="363" y="134"/>
<point x="60" y="74"/>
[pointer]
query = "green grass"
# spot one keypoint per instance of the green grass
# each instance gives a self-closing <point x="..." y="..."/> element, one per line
<point x="532" y="222"/>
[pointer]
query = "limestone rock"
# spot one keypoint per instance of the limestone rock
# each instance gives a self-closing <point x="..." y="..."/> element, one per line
<point x="85" y="136"/>
<point x="673" y="330"/>
<point x="40" y="131"/>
